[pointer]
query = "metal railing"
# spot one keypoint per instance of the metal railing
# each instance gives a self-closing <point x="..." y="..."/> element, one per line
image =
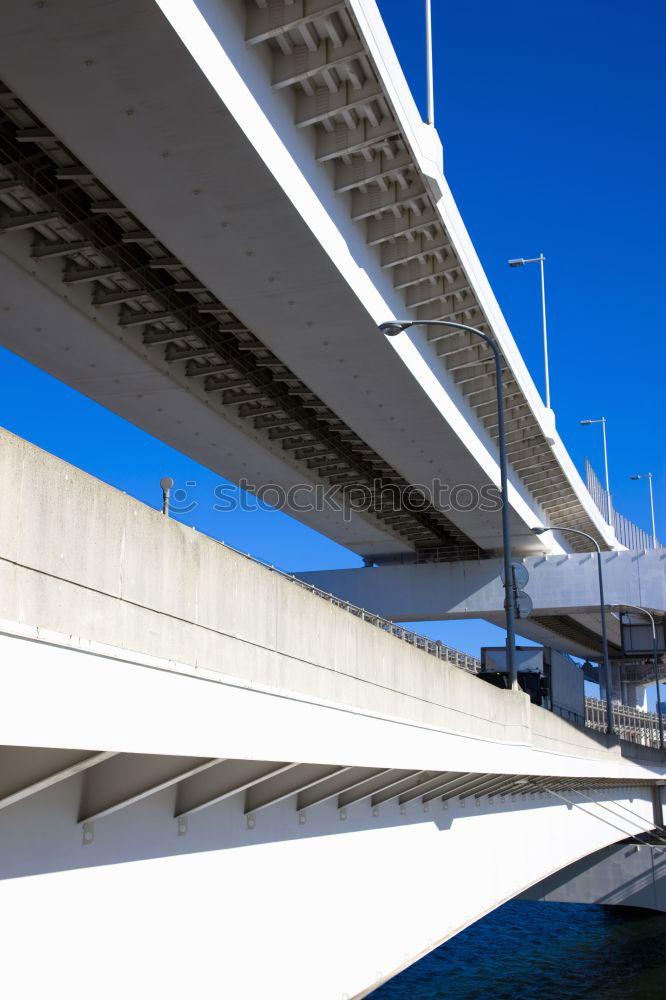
<point x="626" y="532"/>
<point x="570" y="715"/>
<point x="434" y="647"/>
<point x="629" y="534"/>
<point x="630" y="723"/>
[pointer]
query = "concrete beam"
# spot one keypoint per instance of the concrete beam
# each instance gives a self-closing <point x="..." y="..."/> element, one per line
<point x="324" y="104"/>
<point x="275" y="17"/>
<point x="226" y="779"/>
<point x="438" y="783"/>
<point x="25" y="771"/>
<point x="369" y="788"/>
<point x="558" y="585"/>
<point x="127" y="778"/>
<point x="329" y="788"/>
<point x="284" y="785"/>
<point x="377" y="170"/>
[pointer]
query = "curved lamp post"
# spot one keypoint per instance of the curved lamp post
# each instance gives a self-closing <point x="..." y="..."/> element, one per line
<point x="649" y="477"/>
<point x="520" y="262"/>
<point x="644" y="611"/>
<point x="392" y="329"/>
<point x="602" y="609"/>
<point x="609" y="502"/>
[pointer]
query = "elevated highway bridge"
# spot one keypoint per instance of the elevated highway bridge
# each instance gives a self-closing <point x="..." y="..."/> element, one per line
<point x="223" y="784"/>
<point x="206" y="211"/>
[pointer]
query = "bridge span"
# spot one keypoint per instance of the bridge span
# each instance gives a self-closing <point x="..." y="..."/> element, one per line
<point x="205" y="760"/>
<point x="205" y="211"/>
<point x="216" y="778"/>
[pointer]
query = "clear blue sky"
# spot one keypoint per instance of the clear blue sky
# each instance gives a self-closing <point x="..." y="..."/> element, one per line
<point x="552" y="119"/>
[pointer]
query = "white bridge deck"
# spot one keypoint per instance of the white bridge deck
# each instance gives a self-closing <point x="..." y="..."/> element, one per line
<point x="212" y="782"/>
<point x="186" y="732"/>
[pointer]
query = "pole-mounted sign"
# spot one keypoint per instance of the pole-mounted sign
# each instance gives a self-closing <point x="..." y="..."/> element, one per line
<point x="522" y="602"/>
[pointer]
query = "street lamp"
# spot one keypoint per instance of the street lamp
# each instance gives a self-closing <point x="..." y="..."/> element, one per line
<point x="648" y="476"/>
<point x="649" y="614"/>
<point x="602" y="421"/>
<point x="167" y="485"/>
<point x="520" y="262"/>
<point x="392" y="329"/>
<point x="604" y="640"/>
<point x="429" y="74"/>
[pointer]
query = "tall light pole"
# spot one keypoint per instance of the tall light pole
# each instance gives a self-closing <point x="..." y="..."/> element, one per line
<point x="648" y="476"/>
<point x="520" y="262"/>
<point x="602" y="421"/>
<point x="649" y="614"/>
<point x="392" y="329"/>
<point x="429" y="72"/>
<point x="602" y="609"/>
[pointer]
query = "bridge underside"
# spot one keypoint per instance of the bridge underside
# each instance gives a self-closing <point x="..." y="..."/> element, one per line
<point x="203" y="758"/>
<point x="629" y="874"/>
<point x="160" y="258"/>
<point x="199" y="858"/>
<point x="139" y="331"/>
<point x="108" y="782"/>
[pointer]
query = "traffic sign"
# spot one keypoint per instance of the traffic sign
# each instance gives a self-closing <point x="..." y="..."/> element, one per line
<point x="524" y="604"/>
<point x="520" y="575"/>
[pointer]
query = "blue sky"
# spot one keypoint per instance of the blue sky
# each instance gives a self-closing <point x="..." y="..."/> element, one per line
<point x="551" y="116"/>
<point x="552" y="119"/>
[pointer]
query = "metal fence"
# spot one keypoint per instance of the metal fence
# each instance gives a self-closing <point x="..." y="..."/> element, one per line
<point x="629" y="534"/>
<point x="629" y="723"/>
<point x="569" y="714"/>
<point x="432" y="646"/>
<point x="626" y="532"/>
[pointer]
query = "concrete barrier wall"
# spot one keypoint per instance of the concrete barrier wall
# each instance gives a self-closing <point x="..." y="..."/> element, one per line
<point x="79" y="557"/>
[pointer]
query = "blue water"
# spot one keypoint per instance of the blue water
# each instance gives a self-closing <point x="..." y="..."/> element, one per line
<point x="544" y="951"/>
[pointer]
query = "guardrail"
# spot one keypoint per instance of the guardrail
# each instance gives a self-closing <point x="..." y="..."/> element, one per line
<point x="434" y="647"/>
<point x="629" y="723"/>
<point x="626" y="532"/>
<point x="570" y="715"/>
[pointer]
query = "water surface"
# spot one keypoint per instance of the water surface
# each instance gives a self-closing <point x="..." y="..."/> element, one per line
<point x="544" y="951"/>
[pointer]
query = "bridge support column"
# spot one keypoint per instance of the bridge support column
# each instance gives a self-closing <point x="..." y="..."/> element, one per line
<point x="657" y="805"/>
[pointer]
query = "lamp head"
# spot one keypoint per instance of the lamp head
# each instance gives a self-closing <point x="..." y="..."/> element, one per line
<point x="166" y="483"/>
<point x="635" y="477"/>
<point x="517" y="262"/>
<point x="394" y="327"/>
<point x="586" y="423"/>
<point x="539" y="531"/>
